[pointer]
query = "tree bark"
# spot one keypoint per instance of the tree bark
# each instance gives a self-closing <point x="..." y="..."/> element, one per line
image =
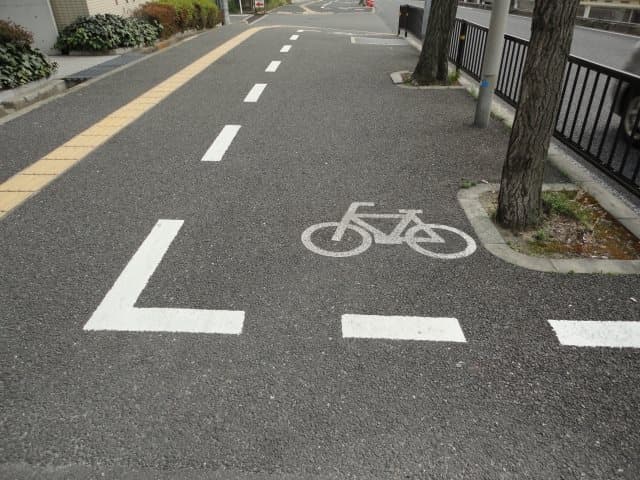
<point x="519" y="201"/>
<point x="432" y="66"/>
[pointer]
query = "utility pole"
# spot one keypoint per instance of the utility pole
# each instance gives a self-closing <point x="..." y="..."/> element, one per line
<point x="225" y="12"/>
<point x="492" y="57"/>
<point x="425" y="16"/>
<point x="240" y="3"/>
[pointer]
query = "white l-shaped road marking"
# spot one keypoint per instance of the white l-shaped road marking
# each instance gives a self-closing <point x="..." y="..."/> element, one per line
<point x="117" y="310"/>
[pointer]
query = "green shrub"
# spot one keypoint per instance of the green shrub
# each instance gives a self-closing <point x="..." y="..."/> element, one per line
<point x="13" y="33"/>
<point x="107" y="32"/>
<point x="20" y="63"/>
<point x="197" y="14"/>
<point x="271" y="4"/>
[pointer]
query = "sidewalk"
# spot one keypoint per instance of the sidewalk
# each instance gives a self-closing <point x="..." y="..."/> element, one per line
<point x="71" y="70"/>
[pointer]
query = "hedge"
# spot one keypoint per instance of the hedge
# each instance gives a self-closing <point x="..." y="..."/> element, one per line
<point x="180" y="15"/>
<point x="107" y="32"/>
<point x="20" y="63"/>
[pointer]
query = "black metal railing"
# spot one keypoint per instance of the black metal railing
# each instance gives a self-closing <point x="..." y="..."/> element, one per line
<point x="598" y="115"/>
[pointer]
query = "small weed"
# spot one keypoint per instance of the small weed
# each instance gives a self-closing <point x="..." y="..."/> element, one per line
<point x="454" y="77"/>
<point x="564" y="203"/>
<point x="541" y="235"/>
<point x="467" y="183"/>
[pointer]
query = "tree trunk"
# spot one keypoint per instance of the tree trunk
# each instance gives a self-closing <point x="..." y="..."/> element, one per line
<point x="519" y="201"/>
<point x="432" y="66"/>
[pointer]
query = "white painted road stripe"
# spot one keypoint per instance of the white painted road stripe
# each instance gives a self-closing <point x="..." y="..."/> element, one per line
<point x="221" y="144"/>
<point x="273" y="66"/>
<point x="299" y="31"/>
<point x="285" y="49"/>
<point x="255" y="92"/>
<point x="435" y="329"/>
<point x="581" y="333"/>
<point x="294" y="37"/>
<point x="117" y="311"/>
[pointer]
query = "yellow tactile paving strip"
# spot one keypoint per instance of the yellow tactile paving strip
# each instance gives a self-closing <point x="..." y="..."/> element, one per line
<point x="36" y="176"/>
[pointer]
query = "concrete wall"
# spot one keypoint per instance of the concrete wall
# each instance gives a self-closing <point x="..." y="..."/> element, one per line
<point x="34" y="15"/>
<point x="66" y="11"/>
<point x="119" y="7"/>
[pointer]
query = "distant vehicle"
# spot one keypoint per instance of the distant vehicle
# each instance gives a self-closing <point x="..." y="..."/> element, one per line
<point x="627" y="105"/>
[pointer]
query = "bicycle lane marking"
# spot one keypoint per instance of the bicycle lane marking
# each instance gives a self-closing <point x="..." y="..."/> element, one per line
<point x="408" y="222"/>
<point x="36" y="176"/>
<point x="117" y="310"/>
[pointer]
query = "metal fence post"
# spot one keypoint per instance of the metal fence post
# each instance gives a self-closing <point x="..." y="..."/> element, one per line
<point x="462" y="40"/>
<point x="491" y="64"/>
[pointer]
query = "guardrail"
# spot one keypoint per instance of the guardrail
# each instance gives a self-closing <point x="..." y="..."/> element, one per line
<point x="599" y="110"/>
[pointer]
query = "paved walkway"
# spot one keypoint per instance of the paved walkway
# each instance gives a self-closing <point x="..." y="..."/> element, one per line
<point x="170" y="309"/>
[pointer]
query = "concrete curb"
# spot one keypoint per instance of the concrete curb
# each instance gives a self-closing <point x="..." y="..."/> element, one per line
<point x="31" y="95"/>
<point x="396" y="78"/>
<point x="492" y="240"/>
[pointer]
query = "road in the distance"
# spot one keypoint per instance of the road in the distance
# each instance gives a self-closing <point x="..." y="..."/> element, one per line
<point x="611" y="49"/>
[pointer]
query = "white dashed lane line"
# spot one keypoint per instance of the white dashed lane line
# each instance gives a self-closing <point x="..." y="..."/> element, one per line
<point x="255" y="92"/>
<point x="294" y="37"/>
<point x="285" y="49"/>
<point x="581" y="333"/>
<point x="220" y="145"/>
<point x="434" y="329"/>
<point x="273" y="66"/>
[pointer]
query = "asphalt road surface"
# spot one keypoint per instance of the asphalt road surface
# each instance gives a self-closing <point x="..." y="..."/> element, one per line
<point x="608" y="48"/>
<point x="163" y="315"/>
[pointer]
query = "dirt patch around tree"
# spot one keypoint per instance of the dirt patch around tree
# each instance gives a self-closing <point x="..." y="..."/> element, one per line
<point x="574" y="225"/>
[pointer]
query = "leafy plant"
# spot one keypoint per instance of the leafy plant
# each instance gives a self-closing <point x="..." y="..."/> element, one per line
<point x="13" y="33"/>
<point x="20" y="63"/>
<point x="107" y="32"/>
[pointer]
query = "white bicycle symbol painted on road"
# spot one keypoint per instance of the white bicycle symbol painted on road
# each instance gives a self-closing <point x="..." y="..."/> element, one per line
<point x="416" y="236"/>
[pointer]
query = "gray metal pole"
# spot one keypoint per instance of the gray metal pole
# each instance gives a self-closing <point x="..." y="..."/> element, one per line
<point x="225" y="12"/>
<point x="491" y="65"/>
<point x="240" y="3"/>
<point x="425" y="16"/>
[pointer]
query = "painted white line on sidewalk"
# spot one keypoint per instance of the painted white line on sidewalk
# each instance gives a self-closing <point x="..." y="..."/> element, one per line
<point x="581" y="333"/>
<point x="117" y="311"/>
<point x="220" y="145"/>
<point x="273" y="66"/>
<point x="294" y="37"/>
<point x="285" y="49"/>
<point x="435" y="329"/>
<point x="255" y="92"/>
